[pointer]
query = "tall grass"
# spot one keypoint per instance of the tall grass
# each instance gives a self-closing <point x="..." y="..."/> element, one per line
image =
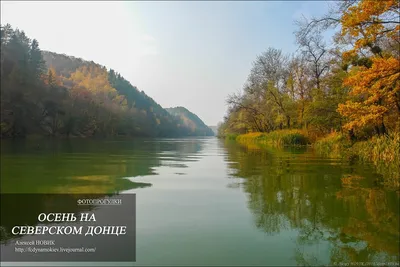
<point x="381" y="148"/>
<point x="276" y="138"/>
<point x="384" y="152"/>
<point x="333" y="145"/>
<point x="231" y="136"/>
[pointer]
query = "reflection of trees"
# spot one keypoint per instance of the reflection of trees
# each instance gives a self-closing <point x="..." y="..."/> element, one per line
<point x="176" y="152"/>
<point x="323" y="201"/>
<point x="188" y="146"/>
<point x="182" y="148"/>
<point x="82" y="166"/>
<point x="75" y="166"/>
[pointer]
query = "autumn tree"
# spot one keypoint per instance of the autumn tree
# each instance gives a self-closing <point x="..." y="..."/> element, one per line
<point x="375" y="87"/>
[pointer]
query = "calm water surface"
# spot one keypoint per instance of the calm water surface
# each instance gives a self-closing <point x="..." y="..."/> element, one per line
<point x="208" y="202"/>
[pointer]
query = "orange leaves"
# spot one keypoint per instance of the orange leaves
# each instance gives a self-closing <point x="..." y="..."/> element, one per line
<point x="348" y="55"/>
<point x="351" y="180"/>
<point x="369" y="20"/>
<point x="381" y="78"/>
<point x="375" y="91"/>
<point x="367" y="12"/>
<point x="52" y="79"/>
<point x="95" y="80"/>
<point x="360" y="115"/>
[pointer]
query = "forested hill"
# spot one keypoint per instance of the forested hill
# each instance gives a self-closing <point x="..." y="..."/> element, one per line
<point x="44" y="93"/>
<point x="147" y="115"/>
<point x="191" y="121"/>
<point x="214" y="129"/>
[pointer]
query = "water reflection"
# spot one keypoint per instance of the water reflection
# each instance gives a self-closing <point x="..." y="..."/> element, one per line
<point x="339" y="211"/>
<point x="80" y="167"/>
<point x="322" y="210"/>
<point x="89" y="166"/>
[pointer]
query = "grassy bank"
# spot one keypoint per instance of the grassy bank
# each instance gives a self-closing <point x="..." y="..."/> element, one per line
<point x="384" y="148"/>
<point x="334" y="145"/>
<point x="382" y="151"/>
<point x="277" y="138"/>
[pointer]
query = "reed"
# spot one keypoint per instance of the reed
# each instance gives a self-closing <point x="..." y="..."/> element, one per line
<point x="384" y="153"/>
<point x="333" y="145"/>
<point x="231" y="136"/>
<point x="279" y="138"/>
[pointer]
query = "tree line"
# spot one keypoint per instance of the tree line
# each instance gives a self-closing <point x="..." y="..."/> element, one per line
<point x="44" y="93"/>
<point x="350" y="85"/>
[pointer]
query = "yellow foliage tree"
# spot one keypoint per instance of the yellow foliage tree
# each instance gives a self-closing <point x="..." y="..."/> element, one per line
<point x="52" y="79"/>
<point x="374" y="87"/>
<point x="376" y="91"/>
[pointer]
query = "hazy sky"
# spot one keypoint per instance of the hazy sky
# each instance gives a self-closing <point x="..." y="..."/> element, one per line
<point x="190" y="54"/>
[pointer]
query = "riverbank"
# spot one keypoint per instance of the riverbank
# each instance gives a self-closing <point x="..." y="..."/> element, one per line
<point x="382" y="151"/>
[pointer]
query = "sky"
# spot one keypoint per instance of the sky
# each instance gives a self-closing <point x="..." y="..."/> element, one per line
<point x="180" y="53"/>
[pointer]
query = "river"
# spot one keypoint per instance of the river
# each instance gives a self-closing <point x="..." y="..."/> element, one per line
<point x="203" y="201"/>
